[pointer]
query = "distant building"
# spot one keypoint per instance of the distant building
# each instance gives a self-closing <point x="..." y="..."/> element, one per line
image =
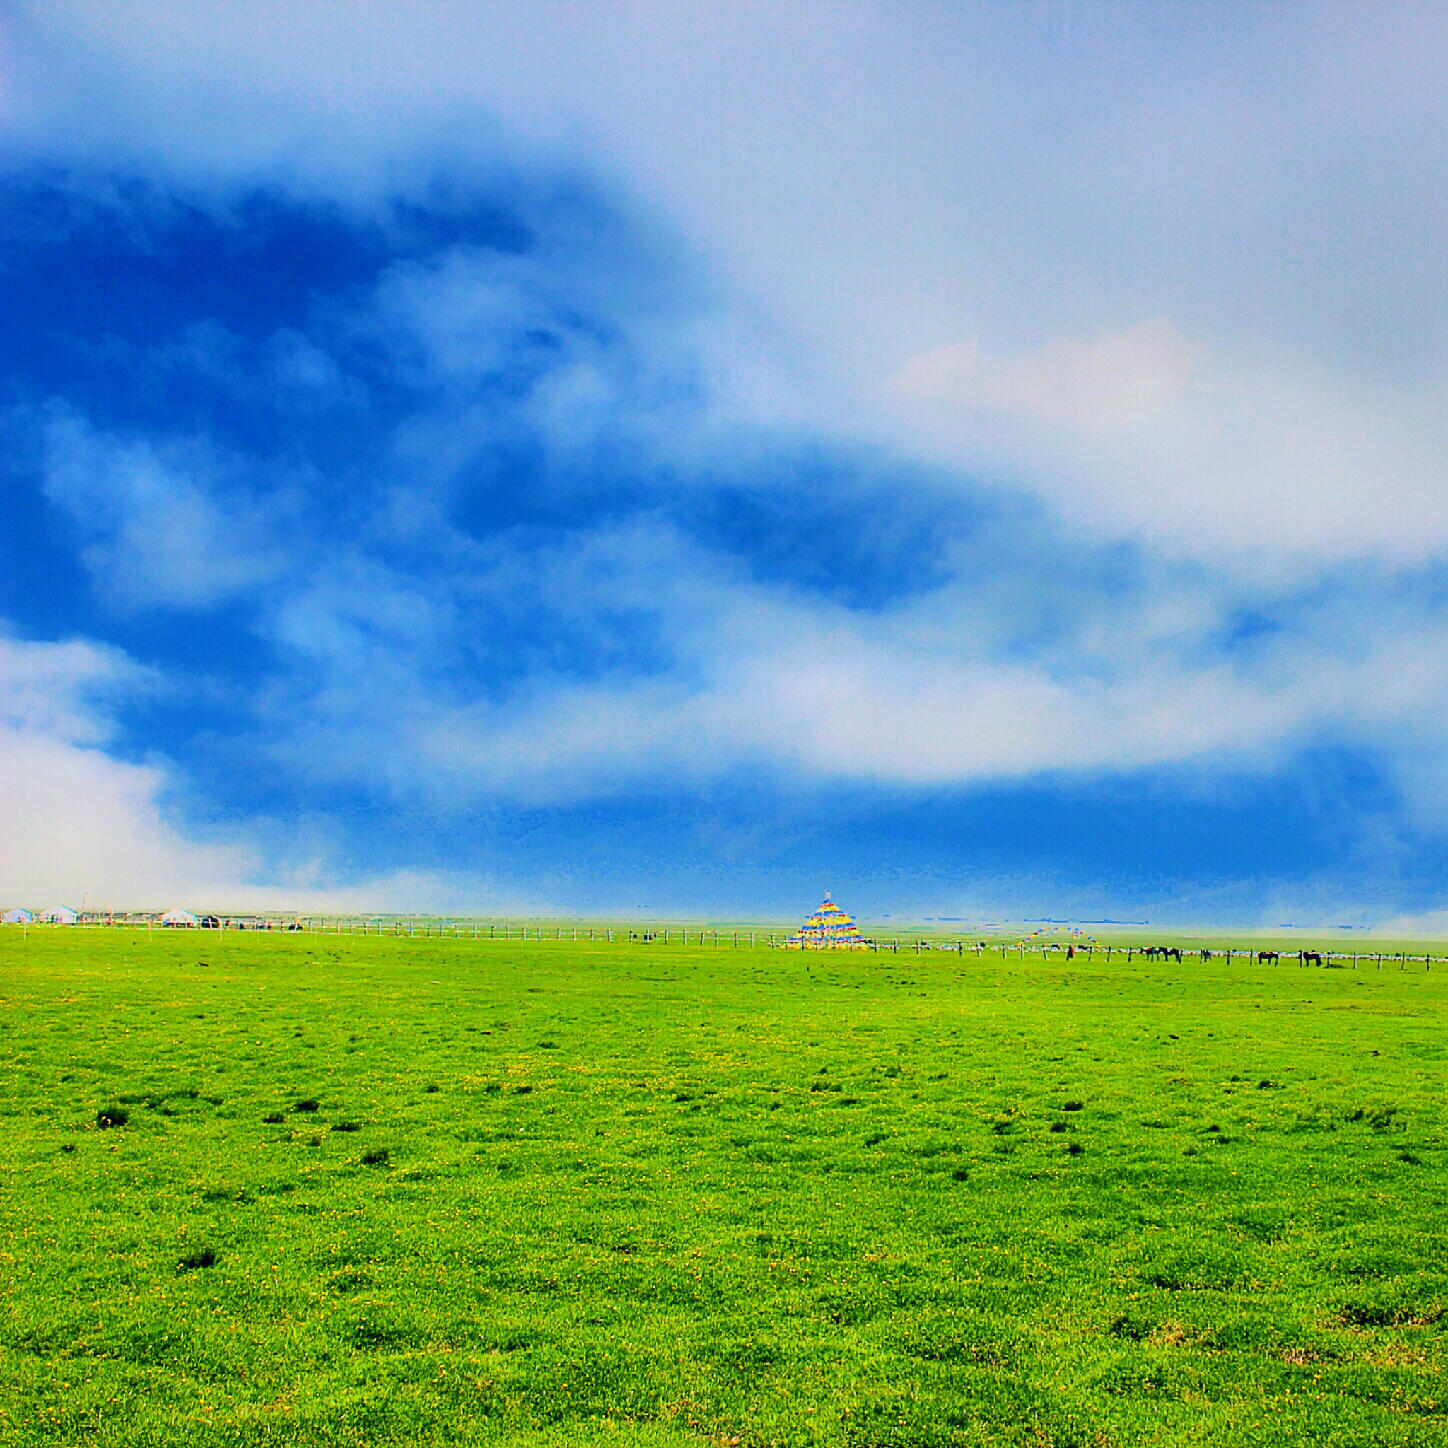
<point x="182" y="919"/>
<point x="57" y="915"/>
<point x="17" y="916"/>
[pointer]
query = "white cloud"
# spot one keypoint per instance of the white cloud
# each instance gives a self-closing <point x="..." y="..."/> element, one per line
<point x="61" y="689"/>
<point x="921" y="695"/>
<point x="1251" y="462"/>
<point x="158" y="529"/>
<point x="1104" y="384"/>
<point x="1285" y="462"/>
<point x="81" y="824"/>
<point x="78" y="821"/>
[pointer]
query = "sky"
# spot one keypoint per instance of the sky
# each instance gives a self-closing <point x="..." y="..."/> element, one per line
<point x="675" y="459"/>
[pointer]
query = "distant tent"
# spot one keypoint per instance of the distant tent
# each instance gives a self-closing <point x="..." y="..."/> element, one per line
<point x="829" y="928"/>
<point x="179" y="918"/>
<point x="57" y="915"/>
<point x="17" y="916"/>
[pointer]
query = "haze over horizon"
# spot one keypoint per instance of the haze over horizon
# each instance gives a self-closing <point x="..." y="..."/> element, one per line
<point x="986" y="460"/>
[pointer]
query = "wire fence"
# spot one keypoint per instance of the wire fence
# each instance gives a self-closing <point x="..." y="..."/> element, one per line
<point x="734" y="939"/>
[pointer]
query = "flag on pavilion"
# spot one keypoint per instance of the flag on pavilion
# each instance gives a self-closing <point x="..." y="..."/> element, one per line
<point x="829" y="928"/>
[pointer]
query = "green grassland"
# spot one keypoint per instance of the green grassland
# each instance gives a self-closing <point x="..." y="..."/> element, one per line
<point x="329" y="1190"/>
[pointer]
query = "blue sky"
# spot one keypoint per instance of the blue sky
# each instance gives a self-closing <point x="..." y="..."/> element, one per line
<point x="986" y="461"/>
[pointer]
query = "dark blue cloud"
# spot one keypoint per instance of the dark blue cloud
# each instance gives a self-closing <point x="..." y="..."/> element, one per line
<point x="861" y="530"/>
<point x="91" y="257"/>
<point x="256" y="325"/>
<point x="277" y="368"/>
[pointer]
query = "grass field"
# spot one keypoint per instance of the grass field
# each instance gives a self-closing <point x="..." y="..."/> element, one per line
<point x="311" y="1190"/>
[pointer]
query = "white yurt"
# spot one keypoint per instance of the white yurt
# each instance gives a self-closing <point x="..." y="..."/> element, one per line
<point x="17" y="916"/>
<point x="179" y="918"/>
<point x="57" y="915"/>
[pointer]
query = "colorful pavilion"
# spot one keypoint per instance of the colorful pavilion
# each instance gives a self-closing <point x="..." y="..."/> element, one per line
<point x="829" y="928"/>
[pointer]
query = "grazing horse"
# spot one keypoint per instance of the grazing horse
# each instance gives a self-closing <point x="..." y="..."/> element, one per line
<point x="1311" y="957"/>
<point x="1265" y="955"/>
<point x="1172" y="952"/>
